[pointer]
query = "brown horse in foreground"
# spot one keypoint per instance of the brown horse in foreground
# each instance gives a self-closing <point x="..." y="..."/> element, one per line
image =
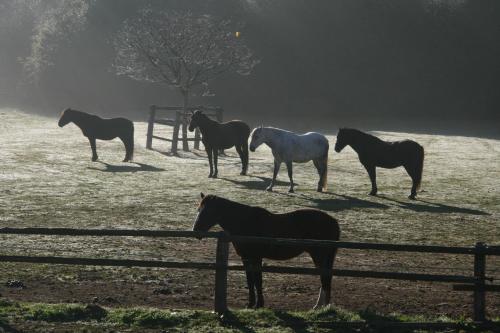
<point x="242" y="220"/>
<point x="94" y="127"/>
<point x="373" y="152"/>
<point x="222" y="136"/>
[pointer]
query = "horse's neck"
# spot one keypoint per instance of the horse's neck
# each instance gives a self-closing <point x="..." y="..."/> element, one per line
<point x="359" y="142"/>
<point x="207" y="124"/>
<point x="273" y="139"/>
<point x="233" y="214"/>
<point x="78" y="118"/>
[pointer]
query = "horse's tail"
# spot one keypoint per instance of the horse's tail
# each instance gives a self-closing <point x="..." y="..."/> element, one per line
<point x="420" y="165"/>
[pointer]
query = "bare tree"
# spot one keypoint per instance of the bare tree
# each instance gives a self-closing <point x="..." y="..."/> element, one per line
<point x="182" y="50"/>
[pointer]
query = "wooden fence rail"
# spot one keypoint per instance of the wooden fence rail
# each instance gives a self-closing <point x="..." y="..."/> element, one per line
<point x="477" y="282"/>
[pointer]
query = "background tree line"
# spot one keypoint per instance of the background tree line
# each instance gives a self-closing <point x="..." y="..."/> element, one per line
<point x="378" y="64"/>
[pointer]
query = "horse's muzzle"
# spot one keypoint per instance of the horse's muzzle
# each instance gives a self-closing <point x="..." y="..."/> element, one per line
<point x="191" y="128"/>
<point x="252" y="149"/>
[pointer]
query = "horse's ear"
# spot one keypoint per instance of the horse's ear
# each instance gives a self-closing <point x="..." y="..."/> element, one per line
<point x="202" y="195"/>
<point x="261" y="126"/>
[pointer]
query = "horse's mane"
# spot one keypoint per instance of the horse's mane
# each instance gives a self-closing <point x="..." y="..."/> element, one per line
<point x="227" y="202"/>
<point x="358" y="133"/>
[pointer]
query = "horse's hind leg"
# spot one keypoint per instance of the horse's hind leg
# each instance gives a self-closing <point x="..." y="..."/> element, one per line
<point x="321" y="166"/>
<point x="243" y="153"/>
<point x="128" y="142"/>
<point x="250" y="283"/>
<point x="289" y="167"/>
<point x="414" y="178"/>
<point x="373" y="177"/>
<point x="94" y="150"/>
<point x="325" y="261"/>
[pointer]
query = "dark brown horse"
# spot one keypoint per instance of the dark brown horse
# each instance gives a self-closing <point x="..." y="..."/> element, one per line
<point x="373" y="152"/>
<point x="242" y="220"/>
<point x="94" y="127"/>
<point x="222" y="136"/>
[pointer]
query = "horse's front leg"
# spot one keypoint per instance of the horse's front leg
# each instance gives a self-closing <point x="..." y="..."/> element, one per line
<point x="209" y="155"/>
<point x="277" y="165"/>
<point x="215" y="152"/>
<point x="257" y="266"/>
<point x="94" y="150"/>
<point x="250" y="283"/>
<point x="290" y="175"/>
<point x="373" y="177"/>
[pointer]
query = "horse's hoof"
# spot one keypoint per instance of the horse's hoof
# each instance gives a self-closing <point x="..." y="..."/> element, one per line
<point x="94" y="159"/>
<point x="243" y="173"/>
<point x="412" y="197"/>
<point x="373" y="193"/>
<point x="269" y="189"/>
<point x="291" y="190"/>
<point x="210" y="176"/>
<point x="214" y="176"/>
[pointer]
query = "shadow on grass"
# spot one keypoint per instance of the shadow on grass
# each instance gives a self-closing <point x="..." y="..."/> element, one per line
<point x="432" y="207"/>
<point x="127" y="168"/>
<point x="231" y="320"/>
<point x="342" y="202"/>
<point x="261" y="184"/>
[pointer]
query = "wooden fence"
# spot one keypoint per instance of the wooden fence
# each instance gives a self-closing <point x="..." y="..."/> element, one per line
<point x="477" y="282"/>
<point x="178" y="117"/>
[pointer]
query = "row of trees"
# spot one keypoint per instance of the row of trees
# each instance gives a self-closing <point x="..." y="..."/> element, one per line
<point x="346" y="60"/>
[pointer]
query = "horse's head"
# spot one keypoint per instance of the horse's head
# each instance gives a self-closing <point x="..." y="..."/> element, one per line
<point x="196" y="118"/>
<point x="342" y="140"/>
<point x="258" y="138"/>
<point x="208" y="216"/>
<point x="65" y="117"/>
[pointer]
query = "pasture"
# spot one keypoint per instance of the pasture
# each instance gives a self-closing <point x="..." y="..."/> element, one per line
<point x="48" y="180"/>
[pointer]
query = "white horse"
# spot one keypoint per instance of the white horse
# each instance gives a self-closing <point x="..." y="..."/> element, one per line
<point x="289" y="147"/>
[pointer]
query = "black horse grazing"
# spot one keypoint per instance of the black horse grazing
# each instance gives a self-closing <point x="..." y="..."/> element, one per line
<point x="373" y="152"/>
<point x="242" y="220"/>
<point x="217" y="136"/>
<point x="94" y="127"/>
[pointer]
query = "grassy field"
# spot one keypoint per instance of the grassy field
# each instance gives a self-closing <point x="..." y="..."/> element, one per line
<point x="48" y="180"/>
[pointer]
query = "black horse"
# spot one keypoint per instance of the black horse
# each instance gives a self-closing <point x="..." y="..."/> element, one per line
<point x="373" y="152"/>
<point x="222" y="136"/>
<point x="94" y="127"/>
<point x="242" y="220"/>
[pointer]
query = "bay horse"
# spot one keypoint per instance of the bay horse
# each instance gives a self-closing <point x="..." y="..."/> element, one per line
<point x="242" y="220"/>
<point x="289" y="147"/>
<point x="373" y="152"/>
<point x="94" y="127"/>
<point x="219" y="136"/>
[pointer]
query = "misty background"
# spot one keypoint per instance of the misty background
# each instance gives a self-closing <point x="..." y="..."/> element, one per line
<point x="407" y="65"/>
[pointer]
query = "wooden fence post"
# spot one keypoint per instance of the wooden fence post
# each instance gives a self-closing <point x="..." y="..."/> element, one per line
<point x="221" y="258"/>
<point x="479" y="285"/>
<point x="197" y="139"/>
<point x="151" y="122"/>
<point x="175" y="135"/>
<point x="185" y="144"/>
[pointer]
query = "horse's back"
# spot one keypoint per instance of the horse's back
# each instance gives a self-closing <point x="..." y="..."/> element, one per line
<point x="299" y="224"/>
<point x="309" y="224"/>
<point x="304" y="147"/>
<point x="110" y="128"/>
<point x="226" y="135"/>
